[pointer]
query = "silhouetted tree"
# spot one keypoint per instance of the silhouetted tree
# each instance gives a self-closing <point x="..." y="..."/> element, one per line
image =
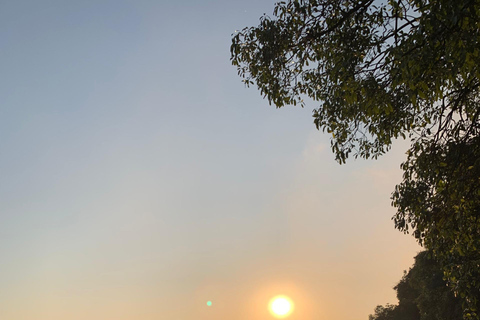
<point x="382" y="70"/>
<point x="422" y="295"/>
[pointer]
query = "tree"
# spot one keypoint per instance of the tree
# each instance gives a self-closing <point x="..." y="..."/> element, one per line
<point x="385" y="313"/>
<point x="422" y="295"/>
<point x="382" y="71"/>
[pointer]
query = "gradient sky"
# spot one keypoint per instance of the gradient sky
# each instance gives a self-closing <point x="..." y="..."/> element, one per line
<point x="140" y="178"/>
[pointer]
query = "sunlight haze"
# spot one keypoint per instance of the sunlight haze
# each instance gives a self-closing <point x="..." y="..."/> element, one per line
<point x="141" y="179"/>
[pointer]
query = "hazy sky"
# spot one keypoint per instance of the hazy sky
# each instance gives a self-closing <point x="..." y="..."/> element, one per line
<point x="140" y="178"/>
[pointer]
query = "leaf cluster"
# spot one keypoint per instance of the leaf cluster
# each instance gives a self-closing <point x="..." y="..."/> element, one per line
<point x="378" y="71"/>
<point x="439" y="199"/>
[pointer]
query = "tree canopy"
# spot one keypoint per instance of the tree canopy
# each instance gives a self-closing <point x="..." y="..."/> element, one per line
<point x="422" y="295"/>
<point x="378" y="71"/>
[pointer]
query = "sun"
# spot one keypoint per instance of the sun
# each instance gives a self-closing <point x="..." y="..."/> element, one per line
<point x="281" y="306"/>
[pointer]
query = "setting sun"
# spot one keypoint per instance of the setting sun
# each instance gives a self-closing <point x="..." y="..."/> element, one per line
<point x="281" y="306"/>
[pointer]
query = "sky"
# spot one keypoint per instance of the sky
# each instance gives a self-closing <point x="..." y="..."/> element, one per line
<point x="141" y="179"/>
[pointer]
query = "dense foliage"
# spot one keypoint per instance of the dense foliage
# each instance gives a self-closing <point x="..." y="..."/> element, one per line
<point x="377" y="72"/>
<point x="440" y="199"/>
<point x="422" y="295"/>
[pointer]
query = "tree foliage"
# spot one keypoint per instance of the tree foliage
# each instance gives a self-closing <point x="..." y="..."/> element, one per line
<point x="439" y="199"/>
<point x="422" y="295"/>
<point x="380" y="71"/>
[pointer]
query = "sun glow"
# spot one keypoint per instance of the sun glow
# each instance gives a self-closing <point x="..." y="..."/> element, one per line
<point x="281" y="306"/>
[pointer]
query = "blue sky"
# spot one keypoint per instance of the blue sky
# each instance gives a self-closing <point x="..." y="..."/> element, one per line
<point x="140" y="179"/>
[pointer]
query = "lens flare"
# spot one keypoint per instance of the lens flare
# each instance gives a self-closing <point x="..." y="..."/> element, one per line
<point x="281" y="306"/>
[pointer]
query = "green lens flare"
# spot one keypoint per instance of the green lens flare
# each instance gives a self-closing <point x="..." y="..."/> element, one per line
<point x="209" y="303"/>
